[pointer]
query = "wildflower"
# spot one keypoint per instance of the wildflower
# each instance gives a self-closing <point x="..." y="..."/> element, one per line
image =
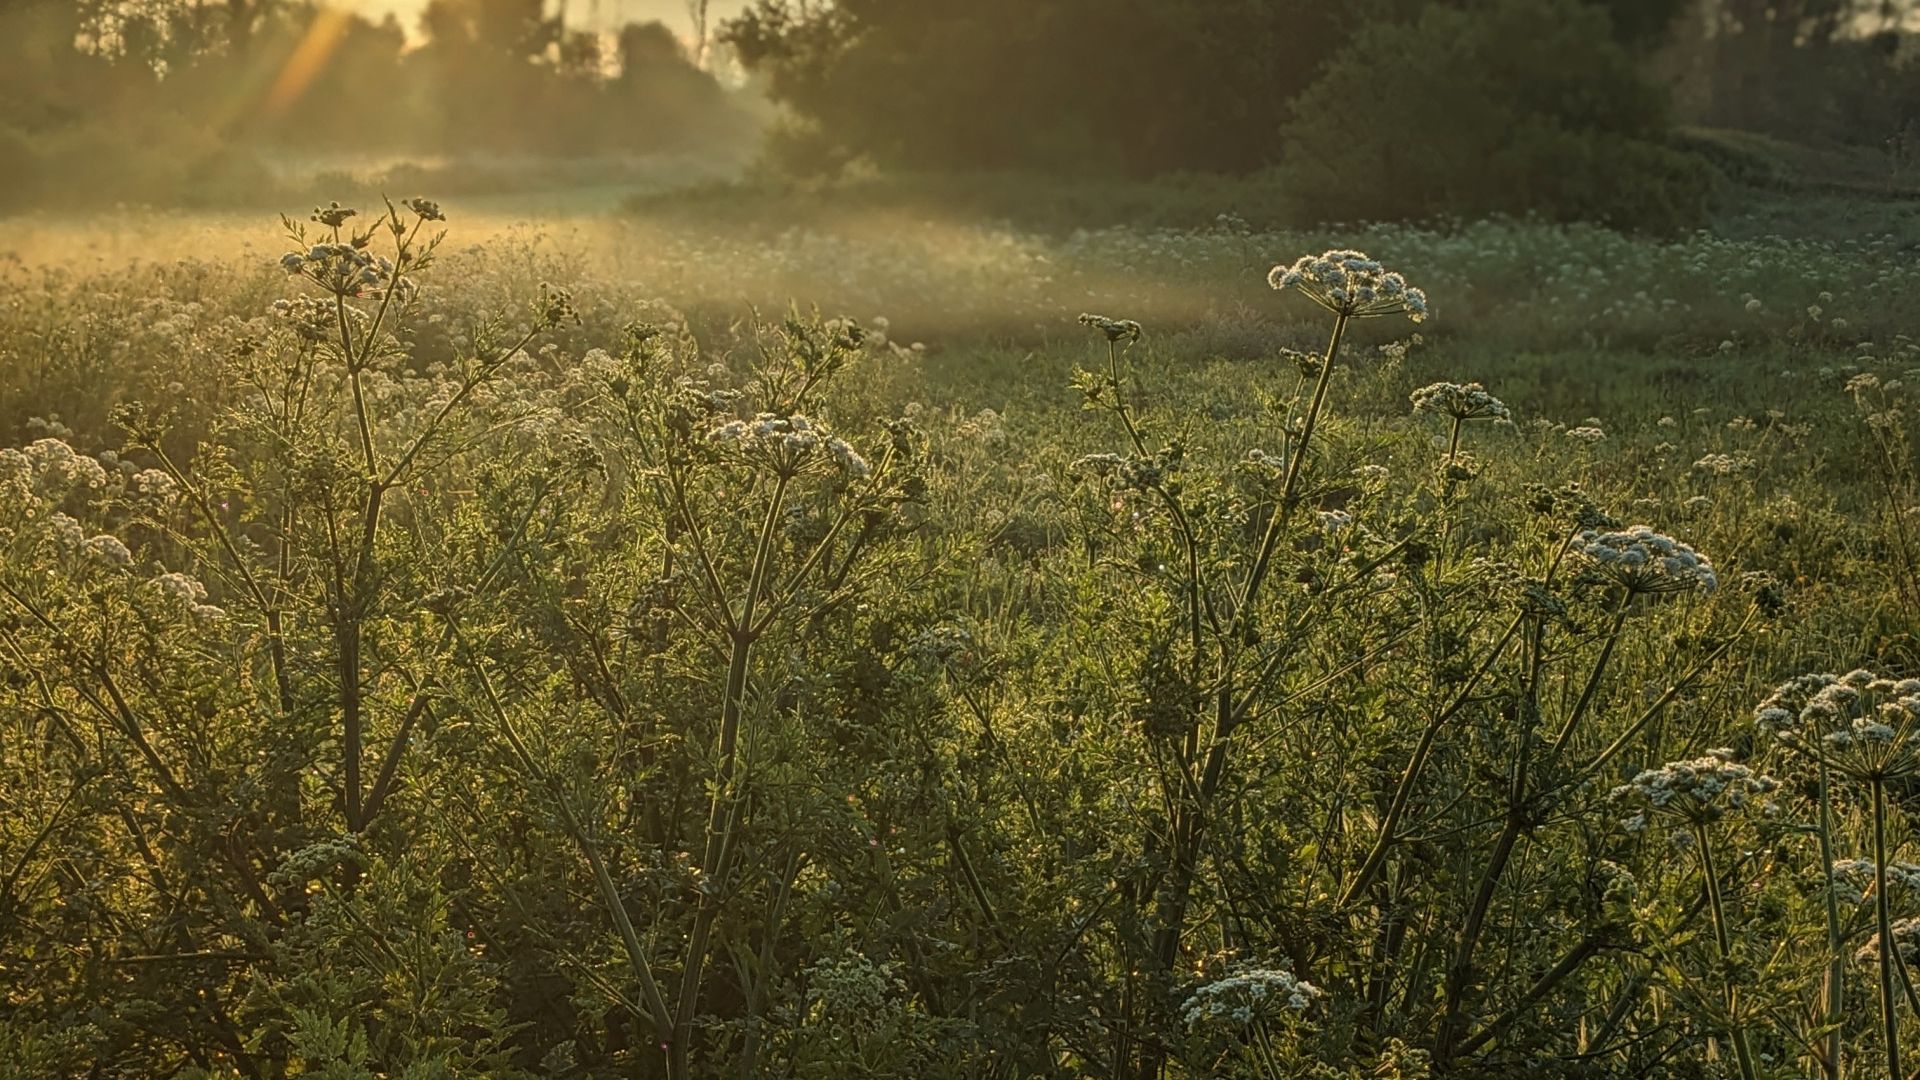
<point x="66" y="532"/>
<point x="791" y="445"/>
<point x="1723" y="464"/>
<point x="1469" y="402"/>
<point x="1906" y="943"/>
<point x="1697" y="791"/>
<point x="1853" y="878"/>
<point x="1306" y="363"/>
<point x="333" y="215"/>
<point x="306" y="316"/>
<point x="1332" y="521"/>
<point x="1586" y="433"/>
<point x="340" y="269"/>
<point x="1246" y="993"/>
<point x="109" y="550"/>
<point x="156" y="485"/>
<point x="1116" y="329"/>
<point x="1643" y="561"/>
<point x="426" y="209"/>
<point x="178" y="588"/>
<point x="1859" y="722"/>
<point x="1125" y="473"/>
<point x="1352" y="285"/>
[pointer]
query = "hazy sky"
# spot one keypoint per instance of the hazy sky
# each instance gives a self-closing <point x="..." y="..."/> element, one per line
<point x="581" y="12"/>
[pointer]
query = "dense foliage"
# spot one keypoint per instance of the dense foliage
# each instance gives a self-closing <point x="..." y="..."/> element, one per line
<point x="455" y="673"/>
<point x="1566" y="127"/>
<point x="1391" y="110"/>
<point x="1069" y="85"/>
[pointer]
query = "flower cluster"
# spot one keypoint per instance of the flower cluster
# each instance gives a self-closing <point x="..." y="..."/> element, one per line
<point x="1700" y="790"/>
<point x="1906" y="943"/>
<point x="792" y="444"/>
<point x="181" y="592"/>
<point x="333" y="215"/>
<point x="1723" y="464"/>
<point x="1853" y="878"/>
<point x="851" y="992"/>
<point x="108" y="550"/>
<point x="340" y="269"/>
<point x="307" y="316"/>
<point x="1861" y="718"/>
<point x="52" y="466"/>
<point x="1350" y="284"/>
<point x="1645" y="562"/>
<point x="1115" y="329"/>
<point x="1469" y="402"/>
<point x="1120" y="471"/>
<point x="1246" y="994"/>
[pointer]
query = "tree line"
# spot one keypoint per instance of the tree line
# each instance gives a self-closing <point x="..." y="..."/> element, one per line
<point x="180" y="94"/>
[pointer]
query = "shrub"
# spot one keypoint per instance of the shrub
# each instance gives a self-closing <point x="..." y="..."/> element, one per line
<point x="1527" y="106"/>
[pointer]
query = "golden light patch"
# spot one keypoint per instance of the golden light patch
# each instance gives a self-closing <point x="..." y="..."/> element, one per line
<point x="308" y="59"/>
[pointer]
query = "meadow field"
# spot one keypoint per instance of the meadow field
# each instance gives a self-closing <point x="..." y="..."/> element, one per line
<point x="728" y="634"/>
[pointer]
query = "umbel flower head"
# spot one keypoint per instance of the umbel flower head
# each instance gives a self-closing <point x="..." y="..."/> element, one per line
<point x="340" y="269"/>
<point x="1248" y="993"/>
<point x="1701" y="790"/>
<point x="1115" y="329"/>
<point x="1853" y="878"/>
<point x="1862" y="723"/>
<point x="333" y="215"/>
<point x="1645" y="562"/>
<point x="790" y="445"/>
<point x="1906" y="944"/>
<point x="1350" y="284"/>
<point x="1469" y="402"/>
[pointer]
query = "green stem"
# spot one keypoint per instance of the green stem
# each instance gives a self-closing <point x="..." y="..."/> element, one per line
<point x="1833" y="1066"/>
<point x="1889" y="1019"/>
<point x="1416" y="765"/>
<point x="1295" y="460"/>
<point x="1735" y="1032"/>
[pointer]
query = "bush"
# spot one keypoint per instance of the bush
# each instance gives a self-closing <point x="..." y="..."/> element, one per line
<point x="1530" y="106"/>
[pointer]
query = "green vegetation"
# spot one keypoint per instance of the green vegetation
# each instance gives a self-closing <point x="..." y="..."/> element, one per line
<point x="517" y="659"/>
<point x="897" y="539"/>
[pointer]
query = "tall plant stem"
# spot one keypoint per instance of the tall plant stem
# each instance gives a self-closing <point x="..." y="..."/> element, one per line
<point x="1188" y="819"/>
<point x="1833" y="1066"/>
<point x="722" y="814"/>
<point x="1453" y="1021"/>
<point x="1409" y="779"/>
<point x="1889" y="1018"/>
<point x="1735" y="1032"/>
<point x="1289" y="489"/>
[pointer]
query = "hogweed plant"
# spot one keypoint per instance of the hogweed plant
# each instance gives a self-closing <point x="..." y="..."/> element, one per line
<point x="1858" y="729"/>
<point x="1695" y="795"/>
<point x="1256" y="1009"/>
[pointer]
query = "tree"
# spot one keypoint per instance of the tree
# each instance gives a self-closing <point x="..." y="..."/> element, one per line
<point x="1074" y="85"/>
<point x="1537" y="109"/>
